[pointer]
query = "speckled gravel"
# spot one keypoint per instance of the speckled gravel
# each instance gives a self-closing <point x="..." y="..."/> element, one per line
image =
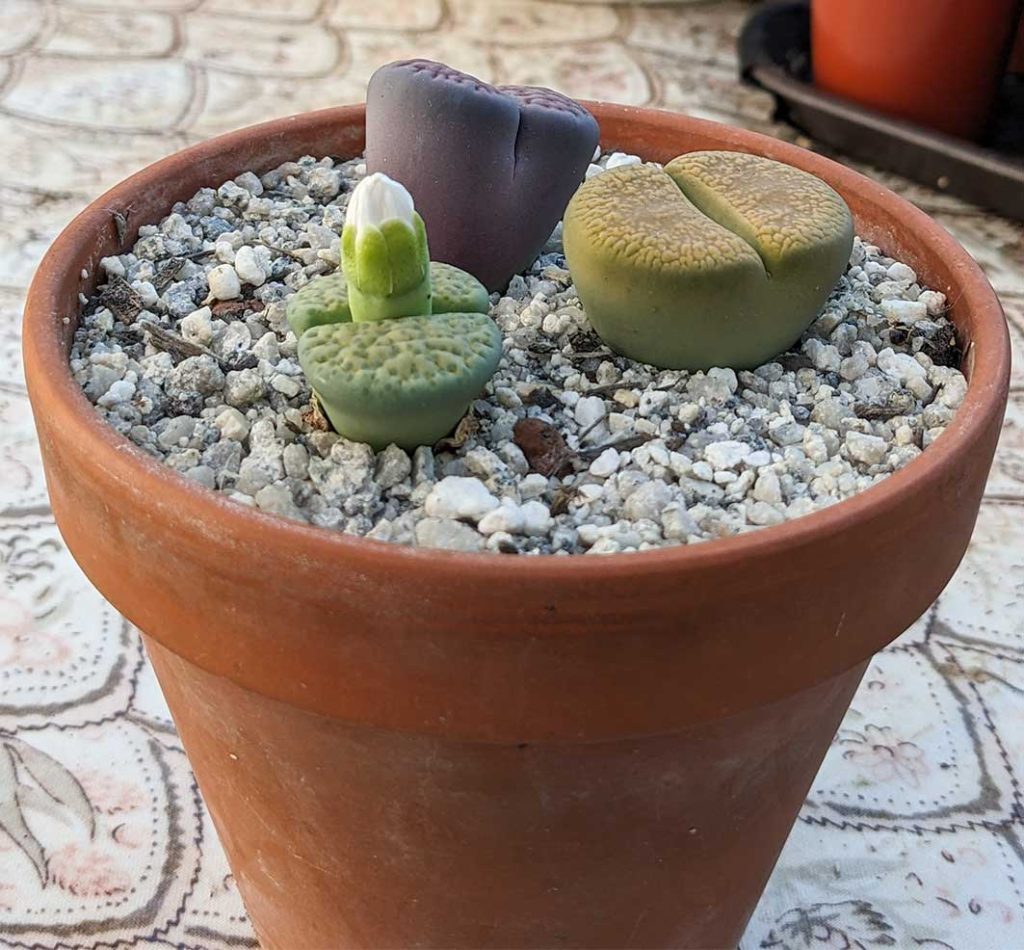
<point x="186" y="350"/>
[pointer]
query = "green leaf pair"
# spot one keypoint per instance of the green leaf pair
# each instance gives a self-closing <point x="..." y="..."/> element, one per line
<point x="395" y="346"/>
<point x="720" y="259"/>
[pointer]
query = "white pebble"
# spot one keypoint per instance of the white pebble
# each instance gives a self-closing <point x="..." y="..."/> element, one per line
<point x="934" y="301"/>
<point x="113" y="266"/>
<point x="703" y="471"/>
<point x="224" y="283"/>
<point x="197" y="327"/>
<point x="277" y="500"/>
<point x="904" y="273"/>
<point x="824" y="356"/>
<point x="393" y="466"/>
<point x="767" y="487"/>
<point x="537" y="519"/>
<point x="589" y="411"/>
<point x="903" y="311"/>
<point x="761" y="513"/>
<point x="853" y="367"/>
<point x="727" y="454"/>
<point x="458" y="497"/>
<point x="147" y="293"/>
<point x="607" y="463"/>
<point x="247" y="268"/>
<point x="285" y="385"/>
<point x="621" y="160"/>
<point x="508" y="517"/>
<point x="900" y="366"/>
<point x="232" y="424"/>
<point x="296" y="460"/>
<point x="533" y="485"/>
<point x="868" y="449"/>
<point x="447" y="534"/>
<point x="651" y="401"/>
<point x="953" y="392"/>
<point x="648" y="501"/>
<point x="677" y="523"/>
<point x="120" y="392"/>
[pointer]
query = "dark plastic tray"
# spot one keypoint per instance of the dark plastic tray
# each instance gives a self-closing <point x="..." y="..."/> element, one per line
<point x="775" y="54"/>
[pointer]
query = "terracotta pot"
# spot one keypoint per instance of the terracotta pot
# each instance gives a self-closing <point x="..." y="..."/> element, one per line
<point x="937" y="63"/>
<point x="413" y="748"/>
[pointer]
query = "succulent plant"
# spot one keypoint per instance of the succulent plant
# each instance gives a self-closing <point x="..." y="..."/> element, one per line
<point x="491" y="168"/>
<point x="325" y="299"/>
<point x="720" y="259"/>
<point x="386" y="365"/>
<point x="406" y="381"/>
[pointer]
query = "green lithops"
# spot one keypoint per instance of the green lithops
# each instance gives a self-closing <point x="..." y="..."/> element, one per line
<point x="404" y="381"/>
<point x="720" y="259"/>
<point x="325" y="299"/>
<point x="394" y="345"/>
<point x="456" y="291"/>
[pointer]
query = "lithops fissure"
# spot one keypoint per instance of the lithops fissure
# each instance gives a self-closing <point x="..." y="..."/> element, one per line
<point x="491" y="168"/>
<point x="720" y="259"/>
<point x="325" y="299"/>
<point x="404" y="381"/>
<point x="396" y="347"/>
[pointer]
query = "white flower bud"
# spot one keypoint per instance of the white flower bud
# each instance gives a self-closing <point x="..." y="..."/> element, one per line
<point x="377" y="199"/>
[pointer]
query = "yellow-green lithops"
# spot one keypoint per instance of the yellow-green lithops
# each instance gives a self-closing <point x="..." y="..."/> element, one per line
<point x="407" y="380"/>
<point x="720" y="259"/>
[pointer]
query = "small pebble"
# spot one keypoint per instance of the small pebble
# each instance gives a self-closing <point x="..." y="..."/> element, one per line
<point x="224" y="283"/>
<point x="247" y="268"/>
<point x="456" y="497"/>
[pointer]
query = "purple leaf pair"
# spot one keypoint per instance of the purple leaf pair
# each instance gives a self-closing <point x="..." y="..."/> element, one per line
<point x="491" y="169"/>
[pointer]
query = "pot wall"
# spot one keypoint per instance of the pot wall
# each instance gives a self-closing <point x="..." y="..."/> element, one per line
<point x="390" y="690"/>
<point x="341" y="835"/>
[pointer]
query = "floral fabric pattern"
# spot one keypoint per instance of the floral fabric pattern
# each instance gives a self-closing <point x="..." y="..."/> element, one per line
<point x="913" y="834"/>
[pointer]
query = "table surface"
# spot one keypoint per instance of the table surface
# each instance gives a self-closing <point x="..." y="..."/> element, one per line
<point x="913" y="834"/>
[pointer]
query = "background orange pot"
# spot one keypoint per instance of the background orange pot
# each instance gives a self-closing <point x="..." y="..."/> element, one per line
<point x="937" y="63"/>
<point x="411" y="748"/>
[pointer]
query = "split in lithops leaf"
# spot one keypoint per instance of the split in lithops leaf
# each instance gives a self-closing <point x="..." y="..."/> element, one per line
<point x="491" y="167"/>
<point x="721" y="259"/>
<point x="406" y="381"/>
<point x="325" y="299"/>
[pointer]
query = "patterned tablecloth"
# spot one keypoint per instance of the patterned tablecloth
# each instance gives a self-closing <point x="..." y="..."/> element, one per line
<point x="913" y="834"/>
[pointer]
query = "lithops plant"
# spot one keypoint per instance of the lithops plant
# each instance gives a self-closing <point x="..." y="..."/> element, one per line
<point x="720" y="259"/>
<point x="385" y="365"/>
<point x="491" y="168"/>
<point x="406" y="381"/>
<point x="325" y="299"/>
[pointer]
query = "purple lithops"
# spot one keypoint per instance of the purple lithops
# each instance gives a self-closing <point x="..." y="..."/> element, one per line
<point x="491" y="168"/>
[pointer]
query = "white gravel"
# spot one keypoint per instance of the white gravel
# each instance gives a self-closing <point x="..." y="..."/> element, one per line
<point x="187" y="352"/>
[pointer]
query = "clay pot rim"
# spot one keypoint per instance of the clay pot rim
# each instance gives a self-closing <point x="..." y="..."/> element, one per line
<point x="986" y="363"/>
